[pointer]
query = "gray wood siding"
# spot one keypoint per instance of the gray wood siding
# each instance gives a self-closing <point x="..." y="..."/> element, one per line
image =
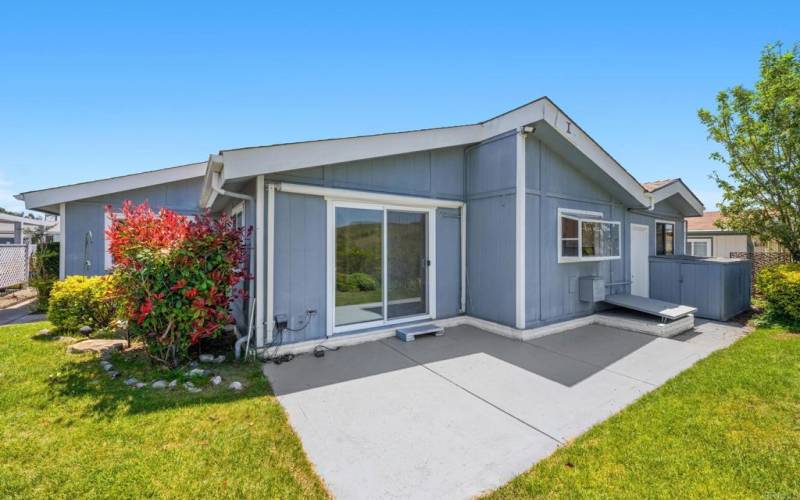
<point x="89" y="215"/>
<point x="448" y="262"/>
<point x="300" y="277"/>
<point x="435" y="174"/>
<point x="551" y="292"/>
<point x="491" y="227"/>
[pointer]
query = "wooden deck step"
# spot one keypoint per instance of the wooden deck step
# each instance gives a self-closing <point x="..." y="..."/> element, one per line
<point x="646" y="305"/>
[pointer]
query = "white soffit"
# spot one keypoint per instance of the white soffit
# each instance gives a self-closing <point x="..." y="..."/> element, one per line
<point x="678" y="188"/>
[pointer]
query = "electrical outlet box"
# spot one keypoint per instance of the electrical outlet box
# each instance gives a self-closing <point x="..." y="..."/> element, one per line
<point x="281" y="321"/>
<point x="591" y="289"/>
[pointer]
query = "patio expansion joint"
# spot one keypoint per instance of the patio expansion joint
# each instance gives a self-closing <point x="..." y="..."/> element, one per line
<point x="443" y="377"/>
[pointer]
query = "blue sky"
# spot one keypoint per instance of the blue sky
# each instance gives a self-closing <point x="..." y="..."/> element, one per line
<point x="104" y="89"/>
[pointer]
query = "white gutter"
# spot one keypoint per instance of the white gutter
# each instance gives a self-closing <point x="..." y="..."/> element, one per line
<point x="252" y="264"/>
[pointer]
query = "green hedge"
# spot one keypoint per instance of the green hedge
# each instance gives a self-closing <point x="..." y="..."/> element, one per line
<point x="780" y="288"/>
<point x="81" y="301"/>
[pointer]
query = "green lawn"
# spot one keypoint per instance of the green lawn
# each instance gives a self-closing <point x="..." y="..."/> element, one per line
<point x="728" y="427"/>
<point x="68" y="431"/>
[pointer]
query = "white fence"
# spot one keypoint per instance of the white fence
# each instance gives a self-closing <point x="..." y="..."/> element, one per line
<point x="14" y="261"/>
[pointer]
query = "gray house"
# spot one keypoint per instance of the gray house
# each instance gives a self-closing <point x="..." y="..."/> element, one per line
<point x="494" y="223"/>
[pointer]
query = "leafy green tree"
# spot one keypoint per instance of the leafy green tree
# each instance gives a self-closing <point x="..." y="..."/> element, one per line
<point x="759" y="130"/>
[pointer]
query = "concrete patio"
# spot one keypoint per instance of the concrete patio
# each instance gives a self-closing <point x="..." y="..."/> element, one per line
<point x="453" y="416"/>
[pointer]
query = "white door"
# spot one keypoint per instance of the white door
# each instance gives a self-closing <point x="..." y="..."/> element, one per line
<point x="640" y="260"/>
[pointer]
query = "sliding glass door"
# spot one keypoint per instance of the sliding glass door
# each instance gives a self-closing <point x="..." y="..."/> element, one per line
<point x="381" y="265"/>
<point x="407" y="263"/>
<point x="359" y="266"/>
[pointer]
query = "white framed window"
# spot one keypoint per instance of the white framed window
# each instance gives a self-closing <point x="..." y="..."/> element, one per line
<point x="237" y="213"/>
<point x="699" y="247"/>
<point x="583" y="236"/>
<point x="108" y="261"/>
<point x="665" y="237"/>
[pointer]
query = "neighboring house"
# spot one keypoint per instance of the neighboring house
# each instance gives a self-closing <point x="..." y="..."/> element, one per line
<point x="16" y="230"/>
<point x="705" y="239"/>
<point x="497" y="220"/>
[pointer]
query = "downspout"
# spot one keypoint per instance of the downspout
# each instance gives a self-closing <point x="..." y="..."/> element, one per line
<point x="250" y="292"/>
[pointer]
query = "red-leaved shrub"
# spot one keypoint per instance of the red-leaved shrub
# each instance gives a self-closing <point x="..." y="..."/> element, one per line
<point x="175" y="275"/>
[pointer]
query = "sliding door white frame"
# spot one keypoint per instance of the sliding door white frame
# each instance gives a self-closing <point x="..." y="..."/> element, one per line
<point x="430" y="289"/>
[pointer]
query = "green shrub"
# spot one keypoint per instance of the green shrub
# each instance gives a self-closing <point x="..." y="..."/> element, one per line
<point x="81" y="301"/>
<point x="44" y="271"/>
<point x="355" y="282"/>
<point x="780" y="289"/>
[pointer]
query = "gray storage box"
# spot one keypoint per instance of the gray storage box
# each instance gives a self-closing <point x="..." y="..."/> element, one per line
<point x="591" y="289"/>
<point x="719" y="288"/>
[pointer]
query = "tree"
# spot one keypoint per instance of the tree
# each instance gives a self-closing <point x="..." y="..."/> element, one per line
<point x="759" y="130"/>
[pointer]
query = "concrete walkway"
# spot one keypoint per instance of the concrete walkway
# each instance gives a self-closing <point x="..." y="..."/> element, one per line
<point x="454" y="416"/>
<point x="19" y="313"/>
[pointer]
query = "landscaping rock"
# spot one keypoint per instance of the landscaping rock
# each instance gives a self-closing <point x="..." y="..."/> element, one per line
<point x="197" y="372"/>
<point x="219" y="359"/>
<point x="96" y="345"/>
<point x="131" y="381"/>
<point x="43" y="332"/>
<point x="159" y="384"/>
<point x="106" y="366"/>
<point x="216" y="380"/>
<point x="113" y="374"/>
<point x="191" y="387"/>
<point x="235" y="386"/>
<point x="206" y="358"/>
<point x="140" y="385"/>
<point x="85" y="330"/>
<point x="173" y="383"/>
<point x="193" y="364"/>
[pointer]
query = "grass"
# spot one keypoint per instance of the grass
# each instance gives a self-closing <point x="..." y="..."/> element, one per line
<point x="728" y="427"/>
<point x="68" y="431"/>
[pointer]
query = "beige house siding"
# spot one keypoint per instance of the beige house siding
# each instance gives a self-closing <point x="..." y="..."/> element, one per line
<point x="723" y="245"/>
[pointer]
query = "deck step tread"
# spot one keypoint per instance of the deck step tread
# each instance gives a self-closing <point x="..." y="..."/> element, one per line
<point x="647" y="305"/>
<point x="408" y="333"/>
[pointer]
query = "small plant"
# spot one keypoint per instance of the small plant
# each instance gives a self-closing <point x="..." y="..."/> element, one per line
<point x="79" y="301"/>
<point x="44" y="267"/>
<point x="176" y="276"/>
<point x="779" y="287"/>
<point x="355" y="282"/>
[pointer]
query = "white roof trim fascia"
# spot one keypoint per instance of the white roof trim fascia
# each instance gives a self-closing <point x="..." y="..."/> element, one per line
<point x="241" y="163"/>
<point x="54" y="196"/>
<point x="678" y="188"/>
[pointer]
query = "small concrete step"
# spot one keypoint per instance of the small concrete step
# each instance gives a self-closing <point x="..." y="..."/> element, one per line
<point x="408" y="333"/>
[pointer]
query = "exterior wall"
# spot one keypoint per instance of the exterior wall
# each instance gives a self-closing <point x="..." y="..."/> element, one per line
<point x="300" y="281"/>
<point x="551" y="287"/>
<point x="723" y="245"/>
<point x="491" y="229"/>
<point x="300" y="265"/>
<point x="87" y="256"/>
<point x="437" y="173"/>
<point x="10" y="233"/>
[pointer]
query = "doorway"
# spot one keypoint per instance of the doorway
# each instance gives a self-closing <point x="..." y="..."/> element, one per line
<point x="381" y="259"/>
<point x="640" y="260"/>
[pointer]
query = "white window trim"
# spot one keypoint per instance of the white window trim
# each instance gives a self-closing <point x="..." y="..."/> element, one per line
<point x="707" y="241"/>
<point x="332" y="204"/>
<point x="674" y="236"/>
<point x="239" y="209"/>
<point x="108" y="262"/>
<point x="588" y="216"/>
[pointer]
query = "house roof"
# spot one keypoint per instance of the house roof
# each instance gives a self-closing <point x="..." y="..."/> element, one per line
<point x="704" y="223"/>
<point x="549" y="123"/>
<point x="654" y="185"/>
<point x="47" y="200"/>
<point x="546" y="121"/>
<point x="668" y="188"/>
